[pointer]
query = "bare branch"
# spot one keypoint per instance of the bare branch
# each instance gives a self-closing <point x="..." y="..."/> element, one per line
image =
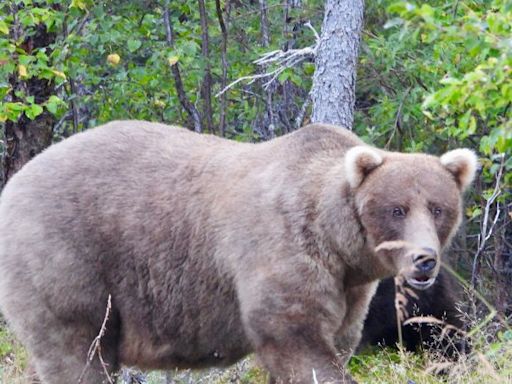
<point x="95" y="348"/>
<point x="485" y="234"/>
<point x="302" y="113"/>
<point x="282" y="59"/>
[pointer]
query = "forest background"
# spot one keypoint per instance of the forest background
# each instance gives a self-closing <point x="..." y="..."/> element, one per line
<point x="431" y="76"/>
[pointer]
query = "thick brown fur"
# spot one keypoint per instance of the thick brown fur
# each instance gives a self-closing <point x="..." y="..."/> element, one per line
<point x="212" y="249"/>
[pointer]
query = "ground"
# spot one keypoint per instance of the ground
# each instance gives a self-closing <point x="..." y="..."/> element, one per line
<point x="489" y="362"/>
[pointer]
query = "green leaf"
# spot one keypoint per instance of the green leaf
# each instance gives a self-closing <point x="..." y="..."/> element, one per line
<point x="133" y="45"/>
<point x="33" y="111"/>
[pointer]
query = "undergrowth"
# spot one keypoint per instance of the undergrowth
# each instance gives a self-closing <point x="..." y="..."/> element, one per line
<point x="490" y="361"/>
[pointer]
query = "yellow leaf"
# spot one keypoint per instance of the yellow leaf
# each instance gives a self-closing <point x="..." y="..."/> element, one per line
<point x="22" y="70"/>
<point x="78" y="4"/>
<point x="173" y="60"/>
<point x="113" y="58"/>
<point x="59" y="74"/>
<point x="159" y="103"/>
<point x="4" y="28"/>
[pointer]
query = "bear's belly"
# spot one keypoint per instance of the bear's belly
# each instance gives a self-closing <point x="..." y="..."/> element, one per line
<point x="188" y="329"/>
<point x="222" y="348"/>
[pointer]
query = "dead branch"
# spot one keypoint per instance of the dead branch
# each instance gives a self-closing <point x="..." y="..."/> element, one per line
<point x="486" y="234"/>
<point x="302" y="113"/>
<point x="95" y="348"/>
<point x="280" y="60"/>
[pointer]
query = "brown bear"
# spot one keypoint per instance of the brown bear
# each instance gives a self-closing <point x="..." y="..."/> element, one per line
<point x="211" y="249"/>
<point x="445" y="336"/>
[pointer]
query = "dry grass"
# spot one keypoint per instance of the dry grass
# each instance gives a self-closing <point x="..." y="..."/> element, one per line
<point x="490" y="361"/>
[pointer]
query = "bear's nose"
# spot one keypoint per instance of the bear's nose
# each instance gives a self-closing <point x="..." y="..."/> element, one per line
<point x="426" y="261"/>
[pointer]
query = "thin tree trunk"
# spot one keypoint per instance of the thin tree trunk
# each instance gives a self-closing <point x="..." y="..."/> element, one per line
<point x="206" y="88"/>
<point x="290" y="30"/>
<point x="224" y="80"/>
<point x="265" y="42"/>
<point x="265" y="39"/>
<point x="333" y="91"/>
<point x="26" y="138"/>
<point x="184" y="101"/>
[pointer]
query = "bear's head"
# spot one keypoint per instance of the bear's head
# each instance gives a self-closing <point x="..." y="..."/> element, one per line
<point x="409" y="205"/>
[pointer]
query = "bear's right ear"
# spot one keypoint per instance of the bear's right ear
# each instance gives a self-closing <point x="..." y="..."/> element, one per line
<point x="359" y="161"/>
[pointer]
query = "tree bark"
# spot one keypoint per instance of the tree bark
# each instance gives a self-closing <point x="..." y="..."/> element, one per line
<point x="224" y="80"/>
<point x="333" y="91"/>
<point x="26" y="138"/>
<point x="206" y="88"/>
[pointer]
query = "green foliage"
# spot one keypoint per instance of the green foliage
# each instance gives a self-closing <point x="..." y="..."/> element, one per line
<point x="439" y="75"/>
<point x="118" y="55"/>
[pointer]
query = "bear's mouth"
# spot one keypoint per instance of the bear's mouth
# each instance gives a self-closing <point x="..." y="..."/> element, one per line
<point x="421" y="282"/>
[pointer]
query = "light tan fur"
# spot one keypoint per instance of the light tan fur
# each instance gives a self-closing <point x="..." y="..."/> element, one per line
<point x="211" y="249"/>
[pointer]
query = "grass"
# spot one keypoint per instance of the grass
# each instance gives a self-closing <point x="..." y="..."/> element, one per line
<point x="13" y="359"/>
<point x="490" y="361"/>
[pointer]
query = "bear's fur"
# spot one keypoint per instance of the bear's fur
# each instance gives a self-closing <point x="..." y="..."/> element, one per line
<point x="211" y="249"/>
<point x="439" y="301"/>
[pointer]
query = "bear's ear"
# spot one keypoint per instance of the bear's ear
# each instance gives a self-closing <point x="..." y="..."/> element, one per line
<point x="359" y="161"/>
<point x="462" y="164"/>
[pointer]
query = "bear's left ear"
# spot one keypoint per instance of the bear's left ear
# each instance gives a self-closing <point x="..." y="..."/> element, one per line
<point x="359" y="161"/>
<point x="462" y="164"/>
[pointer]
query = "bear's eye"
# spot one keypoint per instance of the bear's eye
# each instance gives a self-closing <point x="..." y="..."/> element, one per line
<point x="436" y="212"/>
<point x="398" y="212"/>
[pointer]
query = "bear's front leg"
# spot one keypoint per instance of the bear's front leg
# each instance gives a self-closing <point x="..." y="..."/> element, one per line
<point x="358" y="300"/>
<point x="291" y="325"/>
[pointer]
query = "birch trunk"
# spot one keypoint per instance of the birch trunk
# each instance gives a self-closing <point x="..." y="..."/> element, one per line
<point x="333" y="91"/>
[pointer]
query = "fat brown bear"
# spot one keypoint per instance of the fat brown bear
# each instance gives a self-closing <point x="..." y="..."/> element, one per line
<point x="211" y="249"/>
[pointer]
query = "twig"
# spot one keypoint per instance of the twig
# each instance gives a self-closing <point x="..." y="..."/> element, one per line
<point x="399" y="307"/>
<point x="74" y="107"/>
<point x="302" y="113"/>
<point x="492" y="310"/>
<point x="484" y="234"/>
<point x="315" y="380"/>
<point x="95" y="348"/>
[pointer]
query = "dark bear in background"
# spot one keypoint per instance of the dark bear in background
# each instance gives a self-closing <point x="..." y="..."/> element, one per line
<point x="438" y="301"/>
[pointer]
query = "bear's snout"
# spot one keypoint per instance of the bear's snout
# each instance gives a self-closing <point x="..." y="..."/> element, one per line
<point x="425" y="271"/>
<point x="426" y="261"/>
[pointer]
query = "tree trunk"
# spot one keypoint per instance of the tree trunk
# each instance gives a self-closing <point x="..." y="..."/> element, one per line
<point x="224" y="81"/>
<point x="333" y="91"/>
<point x="206" y="88"/>
<point x="26" y="138"/>
<point x="269" y="121"/>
